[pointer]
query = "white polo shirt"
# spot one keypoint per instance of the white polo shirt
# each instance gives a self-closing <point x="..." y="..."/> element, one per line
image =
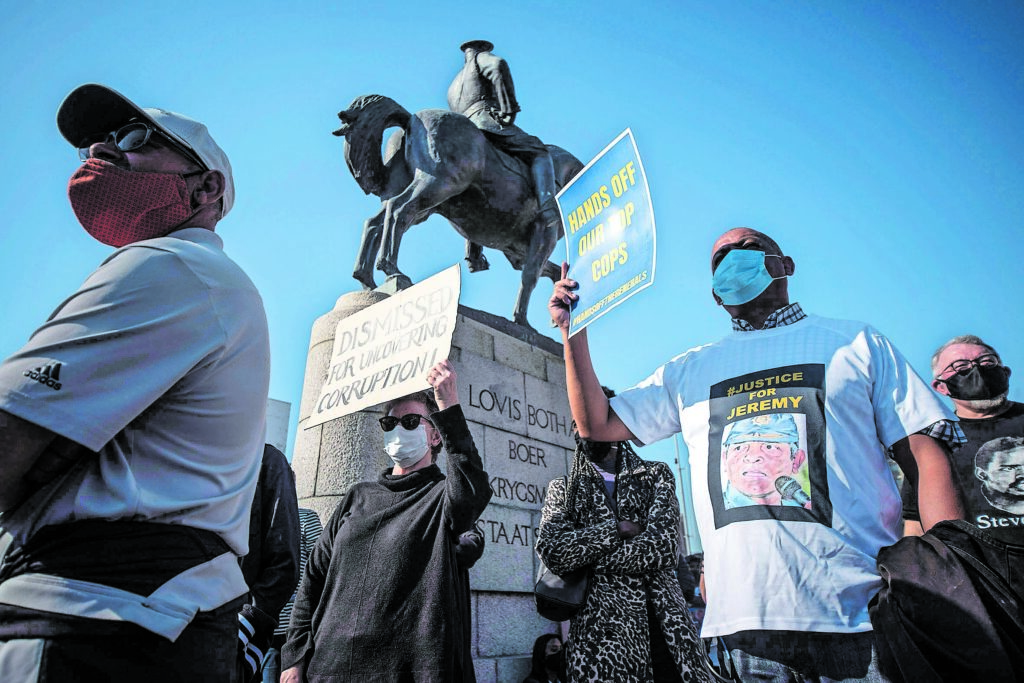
<point x="160" y="363"/>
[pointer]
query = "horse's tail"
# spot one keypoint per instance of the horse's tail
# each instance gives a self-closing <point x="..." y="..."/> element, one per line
<point x="366" y="120"/>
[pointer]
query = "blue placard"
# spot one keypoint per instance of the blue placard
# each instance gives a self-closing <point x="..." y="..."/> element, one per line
<point x="609" y="231"/>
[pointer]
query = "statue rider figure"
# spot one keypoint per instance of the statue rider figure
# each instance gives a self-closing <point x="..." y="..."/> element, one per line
<point x="483" y="92"/>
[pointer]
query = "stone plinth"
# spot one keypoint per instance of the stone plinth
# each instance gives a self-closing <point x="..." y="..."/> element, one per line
<point x="512" y="390"/>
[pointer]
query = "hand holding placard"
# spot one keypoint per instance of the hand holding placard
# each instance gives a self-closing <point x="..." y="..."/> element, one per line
<point x="610" y="238"/>
<point x="562" y="300"/>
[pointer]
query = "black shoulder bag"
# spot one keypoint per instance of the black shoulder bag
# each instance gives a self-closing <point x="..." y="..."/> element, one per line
<point x="560" y="598"/>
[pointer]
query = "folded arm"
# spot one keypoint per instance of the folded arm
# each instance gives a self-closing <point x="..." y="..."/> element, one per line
<point x="562" y="546"/>
<point x="655" y="547"/>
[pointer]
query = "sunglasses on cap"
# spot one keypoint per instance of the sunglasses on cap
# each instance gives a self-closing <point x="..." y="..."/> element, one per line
<point x="130" y="137"/>
<point x="409" y="422"/>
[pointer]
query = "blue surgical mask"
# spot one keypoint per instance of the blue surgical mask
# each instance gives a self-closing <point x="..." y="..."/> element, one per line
<point x="741" y="276"/>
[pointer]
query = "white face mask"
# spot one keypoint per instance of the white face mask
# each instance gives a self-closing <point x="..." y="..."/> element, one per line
<point x="406" y="447"/>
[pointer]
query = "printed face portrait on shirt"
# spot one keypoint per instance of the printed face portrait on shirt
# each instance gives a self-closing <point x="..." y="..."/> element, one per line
<point x="766" y="446"/>
<point x="760" y="456"/>
<point x="999" y="465"/>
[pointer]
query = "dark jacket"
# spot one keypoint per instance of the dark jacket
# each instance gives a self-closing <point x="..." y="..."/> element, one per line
<point x="271" y="568"/>
<point x="381" y="599"/>
<point x="948" y="609"/>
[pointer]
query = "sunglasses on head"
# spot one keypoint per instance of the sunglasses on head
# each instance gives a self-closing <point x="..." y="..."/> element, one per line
<point x="409" y="422"/>
<point x="130" y="137"/>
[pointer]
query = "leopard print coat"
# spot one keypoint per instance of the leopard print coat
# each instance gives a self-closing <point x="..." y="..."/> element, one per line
<point x="608" y="638"/>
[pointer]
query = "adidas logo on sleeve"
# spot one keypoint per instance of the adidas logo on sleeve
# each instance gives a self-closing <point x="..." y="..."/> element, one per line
<point x="48" y="374"/>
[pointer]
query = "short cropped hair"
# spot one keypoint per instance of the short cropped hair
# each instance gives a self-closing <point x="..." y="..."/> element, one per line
<point x="962" y="339"/>
<point x="775" y="248"/>
<point x="988" y="451"/>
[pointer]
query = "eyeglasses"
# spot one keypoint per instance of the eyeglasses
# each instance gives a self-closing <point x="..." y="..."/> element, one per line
<point x="963" y="366"/>
<point x="130" y="137"/>
<point x="409" y="422"/>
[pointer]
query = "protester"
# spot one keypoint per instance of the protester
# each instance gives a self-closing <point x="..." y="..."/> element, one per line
<point x="788" y="586"/>
<point x="271" y="567"/>
<point x="310" y="529"/>
<point x="689" y="572"/>
<point x="548" y="661"/>
<point x="132" y="421"/>
<point x="696" y="564"/>
<point x="953" y="601"/>
<point x="619" y="515"/>
<point x="971" y="373"/>
<point x="382" y="597"/>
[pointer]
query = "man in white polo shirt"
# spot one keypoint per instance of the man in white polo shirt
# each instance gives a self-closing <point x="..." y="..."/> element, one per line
<point x="788" y="581"/>
<point x="132" y="421"/>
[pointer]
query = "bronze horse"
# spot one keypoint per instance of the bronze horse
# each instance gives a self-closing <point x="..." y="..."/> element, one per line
<point x="439" y="162"/>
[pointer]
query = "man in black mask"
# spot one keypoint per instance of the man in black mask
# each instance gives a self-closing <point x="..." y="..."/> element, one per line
<point x="972" y="375"/>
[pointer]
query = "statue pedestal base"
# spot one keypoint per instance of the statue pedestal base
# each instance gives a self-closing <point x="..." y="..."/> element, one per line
<point x="512" y="390"/>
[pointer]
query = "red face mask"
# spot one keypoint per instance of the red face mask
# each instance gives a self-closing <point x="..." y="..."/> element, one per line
<point x="119" y="207"/>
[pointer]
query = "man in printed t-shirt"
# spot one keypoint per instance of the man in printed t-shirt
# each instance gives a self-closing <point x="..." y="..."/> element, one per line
<point x="787" y="585"/>
<point x="990" y="467"/>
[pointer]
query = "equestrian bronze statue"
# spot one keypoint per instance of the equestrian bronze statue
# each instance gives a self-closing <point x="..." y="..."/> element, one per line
<point x="439" y="161"/>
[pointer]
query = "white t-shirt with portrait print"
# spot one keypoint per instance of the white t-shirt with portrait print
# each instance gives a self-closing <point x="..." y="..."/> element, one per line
<point x="843" y="394"/>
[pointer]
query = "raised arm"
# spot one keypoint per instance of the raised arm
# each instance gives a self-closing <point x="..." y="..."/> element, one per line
<point x="467" y="485"/>
<point x="594" y="417"/>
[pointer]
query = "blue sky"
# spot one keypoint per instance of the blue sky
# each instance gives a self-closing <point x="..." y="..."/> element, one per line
<point x="878" y="142"/>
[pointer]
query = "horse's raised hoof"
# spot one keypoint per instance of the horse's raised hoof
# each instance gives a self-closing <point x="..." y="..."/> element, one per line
<point x="478" y="264"/>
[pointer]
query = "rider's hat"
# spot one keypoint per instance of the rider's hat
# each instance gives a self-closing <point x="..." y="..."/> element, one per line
<point x="481" y="45"/>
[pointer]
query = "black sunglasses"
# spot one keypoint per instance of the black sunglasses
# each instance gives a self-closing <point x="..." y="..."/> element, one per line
<point x="130" y="137"/>
<point x="409" y="422"/>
